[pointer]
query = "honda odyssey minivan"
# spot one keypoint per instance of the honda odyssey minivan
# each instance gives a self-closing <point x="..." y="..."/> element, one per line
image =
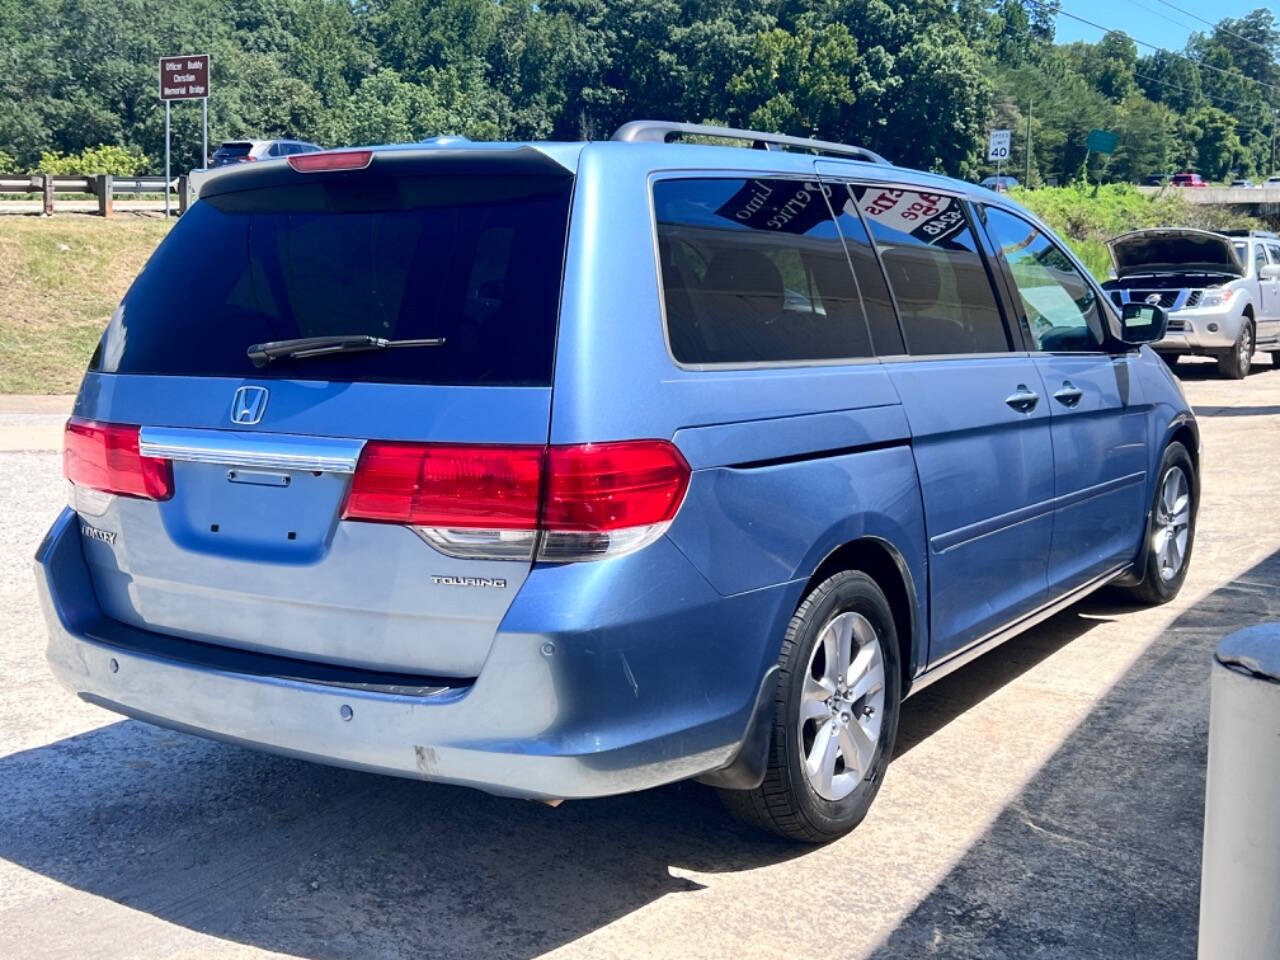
<point x="563" y="470"/>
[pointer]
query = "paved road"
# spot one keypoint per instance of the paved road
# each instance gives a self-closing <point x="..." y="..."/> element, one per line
<point x="1046" y="802"/>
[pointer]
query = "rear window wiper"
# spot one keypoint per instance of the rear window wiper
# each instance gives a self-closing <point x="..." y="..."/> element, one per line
<point x="263" y="353"/>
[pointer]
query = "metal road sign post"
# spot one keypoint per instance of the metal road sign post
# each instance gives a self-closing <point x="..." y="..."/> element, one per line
<point x="185" y="77"/>
<point x="999" y="146"/>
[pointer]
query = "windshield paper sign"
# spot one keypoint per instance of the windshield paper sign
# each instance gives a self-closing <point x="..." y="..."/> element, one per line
<point x="783" y="206"/>
<point x="928" y="217"/>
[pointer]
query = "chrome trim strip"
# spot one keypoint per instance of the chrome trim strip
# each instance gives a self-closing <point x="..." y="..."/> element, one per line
<point x="280" y="451"/>
<point x="998" y="636"/>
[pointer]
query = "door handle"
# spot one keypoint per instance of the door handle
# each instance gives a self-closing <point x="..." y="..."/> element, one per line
<point x="1022" y="399"/>
<point x="1069" y="395"/>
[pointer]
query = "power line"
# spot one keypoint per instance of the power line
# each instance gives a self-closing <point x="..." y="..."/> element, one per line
<point x="1153" y="46"/>
<point x="1217" y="26"/>
<point x="1165" y="16"/>
<point x="1207" y="96"/>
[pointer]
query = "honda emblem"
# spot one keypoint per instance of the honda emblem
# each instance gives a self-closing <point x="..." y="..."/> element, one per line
<point x="248" y="406"/>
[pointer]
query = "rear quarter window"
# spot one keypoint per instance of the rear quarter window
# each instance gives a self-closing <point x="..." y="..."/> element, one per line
<point x="754" y="271"/>
<point x="476" y="260"/>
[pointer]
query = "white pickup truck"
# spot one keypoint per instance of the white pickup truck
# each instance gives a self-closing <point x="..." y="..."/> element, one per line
<point x="1221" y="291"/>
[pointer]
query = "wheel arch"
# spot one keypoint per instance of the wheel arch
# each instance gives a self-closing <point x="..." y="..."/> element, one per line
<point x="1184" y="432"/>
<point x="884" y="563"/>
<point x="1182" y="429"/>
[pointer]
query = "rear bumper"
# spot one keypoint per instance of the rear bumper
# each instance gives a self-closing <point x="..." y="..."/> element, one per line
<point x="564" y="711"/>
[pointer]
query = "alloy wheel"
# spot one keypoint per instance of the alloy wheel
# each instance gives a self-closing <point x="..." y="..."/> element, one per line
<point x="1172" y="523"/>
<point x="842" y="706"/>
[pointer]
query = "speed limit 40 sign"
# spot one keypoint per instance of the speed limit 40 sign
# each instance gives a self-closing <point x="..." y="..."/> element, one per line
<point x="998" y="145"/>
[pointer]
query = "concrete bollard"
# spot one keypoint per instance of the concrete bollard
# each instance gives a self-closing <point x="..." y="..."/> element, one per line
<point x="46" y="191"/>
<point x="106" y="198"/>
<point x="184" y="198"/>
<point x="1240" y="875"/>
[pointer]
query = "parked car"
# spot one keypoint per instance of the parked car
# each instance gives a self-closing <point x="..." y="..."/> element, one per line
<point x="1000" y="184"/>
<point x="1222" y="292"/>
<point x="565" y="470"/>
<point x="244" y="151"/>
<point x="1187" y="180"/>
<point x="1242" y="183"/>
<point x="1156" y="179"/>
<point x="1272" y="182"/>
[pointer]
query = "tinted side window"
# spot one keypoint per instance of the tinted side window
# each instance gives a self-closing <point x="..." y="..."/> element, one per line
<point x="1259" y="259"/>
<point x="886" y="335"/>
<point x="1274" y="250"/>
<point x="936" y="273"/>
<point x="1058" y="301"/>
<point x="755" y="271"/>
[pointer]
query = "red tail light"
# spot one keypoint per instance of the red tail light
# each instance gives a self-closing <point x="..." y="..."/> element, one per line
<point x="585" y="501"/>
<point x="331" y="160"/>
<point x="610" y="486"/>
<point x="104" y="456"/>
<point x="446" y="485"/>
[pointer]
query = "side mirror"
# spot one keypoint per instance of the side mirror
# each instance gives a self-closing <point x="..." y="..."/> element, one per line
<point x="1142" y="323"/>
<point x="1270" y="272"/>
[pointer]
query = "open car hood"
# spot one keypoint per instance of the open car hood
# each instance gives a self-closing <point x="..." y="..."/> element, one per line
<point x="1173" y="251"/>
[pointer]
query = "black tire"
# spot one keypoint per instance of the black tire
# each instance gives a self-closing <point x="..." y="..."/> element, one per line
<point x="786" y="803"/>
<point x="1171" y="359"/>
<point x="1156" y="587"/>
<point x="1275" y="359"/>
<point x="1235" y="364"/>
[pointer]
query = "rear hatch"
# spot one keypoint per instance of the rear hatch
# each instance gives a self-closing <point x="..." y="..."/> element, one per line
<point x="281" y="522"/>
<point x="231" y="152"/>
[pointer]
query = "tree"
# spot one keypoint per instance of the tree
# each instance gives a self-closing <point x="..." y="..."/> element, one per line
<point x="921" y="82"/>
<point x="1147" y="139"/>
<point x="1111" y="63"/>
<point x="1170" y="79"/>
<point x="1211" y="143"/>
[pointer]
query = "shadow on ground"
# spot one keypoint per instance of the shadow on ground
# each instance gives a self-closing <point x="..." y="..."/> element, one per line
<point x="320" y="862"/>
<point x="937" y="705"/>
<point x="1201" y="368"/>
<point x="324" y="863"/>
<point x="1212" y="411"/>
<point x="1110" y="826"/>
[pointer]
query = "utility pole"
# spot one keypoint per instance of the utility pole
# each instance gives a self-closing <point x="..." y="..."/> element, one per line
<point x="1026" y="179"/>
<point x="1273" y="142"/>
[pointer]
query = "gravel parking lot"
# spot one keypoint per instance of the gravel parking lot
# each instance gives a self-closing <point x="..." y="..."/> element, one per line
<point x="1046" y="801"/>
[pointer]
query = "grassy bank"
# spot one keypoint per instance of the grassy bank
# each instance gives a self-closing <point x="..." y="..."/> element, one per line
<point x="1088" y="216"/>
<point x="60" y="279"/>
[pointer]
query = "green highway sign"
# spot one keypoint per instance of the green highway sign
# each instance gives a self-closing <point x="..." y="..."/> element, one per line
<point x="1102" y="141"/>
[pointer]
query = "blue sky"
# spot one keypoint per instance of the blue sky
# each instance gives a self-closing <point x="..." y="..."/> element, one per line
<point x="1149" y="20"/>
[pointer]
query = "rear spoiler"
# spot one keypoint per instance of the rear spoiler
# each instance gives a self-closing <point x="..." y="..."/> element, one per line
<point x="441" y="158"/>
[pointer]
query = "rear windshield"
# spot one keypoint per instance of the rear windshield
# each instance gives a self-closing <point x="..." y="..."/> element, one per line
<point x="476" y="260"/>
<point x="228" y="150"/>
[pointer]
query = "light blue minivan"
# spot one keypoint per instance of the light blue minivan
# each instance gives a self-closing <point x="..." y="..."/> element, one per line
<point x="569" y="469"/>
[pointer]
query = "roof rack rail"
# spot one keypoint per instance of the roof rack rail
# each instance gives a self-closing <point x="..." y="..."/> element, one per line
<point x="659" y="131"/>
